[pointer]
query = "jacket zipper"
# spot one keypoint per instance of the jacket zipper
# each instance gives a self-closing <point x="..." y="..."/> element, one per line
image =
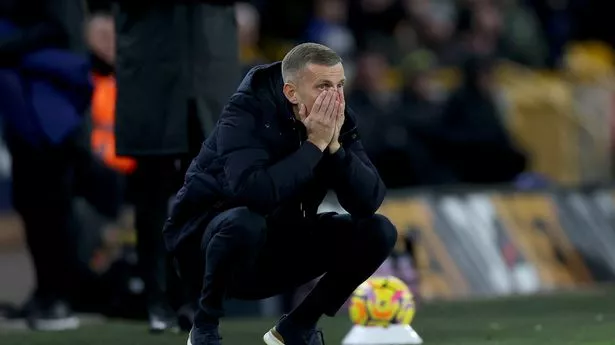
<point x="301" y="202"/>
<point x="301" y="209"/>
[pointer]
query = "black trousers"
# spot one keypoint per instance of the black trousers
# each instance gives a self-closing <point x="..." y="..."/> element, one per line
<point x="45" y="181"/>
<point x="155" y="181"/>
<point x="42" y="193"/>
<point x="244" y="256"/>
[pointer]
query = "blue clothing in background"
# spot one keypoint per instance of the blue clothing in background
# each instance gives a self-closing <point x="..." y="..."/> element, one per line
<point x="43" y="98"/>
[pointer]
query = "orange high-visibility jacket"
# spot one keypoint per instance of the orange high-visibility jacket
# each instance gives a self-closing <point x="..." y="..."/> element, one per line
<point x="103" y="118"/>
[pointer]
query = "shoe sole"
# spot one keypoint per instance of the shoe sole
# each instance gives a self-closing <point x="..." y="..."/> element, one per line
<point x="69" y="323"/>
<point x="269" y="339"/>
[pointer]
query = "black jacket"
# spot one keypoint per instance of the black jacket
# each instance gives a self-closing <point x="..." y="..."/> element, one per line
<point x="175" y="60"/>
<point x="258" y="156"/>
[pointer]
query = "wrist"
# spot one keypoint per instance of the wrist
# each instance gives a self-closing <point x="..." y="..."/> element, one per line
<point x="334" y="147"/>
<point x="322" y="146"/>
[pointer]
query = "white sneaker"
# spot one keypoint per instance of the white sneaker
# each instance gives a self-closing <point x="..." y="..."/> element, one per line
<point x="273" y="338"/>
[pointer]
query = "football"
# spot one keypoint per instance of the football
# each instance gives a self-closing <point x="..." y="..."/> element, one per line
<point x="382" y="301"/>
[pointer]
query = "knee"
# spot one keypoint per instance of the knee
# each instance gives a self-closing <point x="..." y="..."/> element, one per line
<point x="379" y="231"/>
<point x="246" y="227"/>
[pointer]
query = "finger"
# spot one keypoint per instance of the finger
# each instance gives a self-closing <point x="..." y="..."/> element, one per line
<point x="340" y="110"/>
<point x="302" y="112"/>
<point x="329" y="114"/>
<point x="335" y="110"/>
<point x="319" y="102"/>
<point x="341" y="98"/>
<point x="327" y="104"/>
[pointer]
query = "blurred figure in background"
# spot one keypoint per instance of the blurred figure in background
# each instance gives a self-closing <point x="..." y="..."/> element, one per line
<point x="328" y="27"/>
<point x="375" y="102"/>
<point x="373" y="23"/>
<point x="523" y="40"/>
<point x="101" y="37"/>
<point x="471" y="137"/>
<point x="382" y="123"/>
<point x="389" y="120"/>
<point x="478" y="31"/>
<point x="556" y="17"/>
<point x="44" y="91"/>
<point x="419" y="93"/>
<point x="100" y="34"/>
<point x="433" y="21"/>
<point x="421" y="110"/>
<point x="248" y="32"/>
<point x="177" y="64"/>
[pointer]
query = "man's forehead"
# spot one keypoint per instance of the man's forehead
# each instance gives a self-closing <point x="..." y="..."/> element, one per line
<point x="333" y="73"/>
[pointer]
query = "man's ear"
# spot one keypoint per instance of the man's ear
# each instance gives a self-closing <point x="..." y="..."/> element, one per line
<point x="291" y="93"/>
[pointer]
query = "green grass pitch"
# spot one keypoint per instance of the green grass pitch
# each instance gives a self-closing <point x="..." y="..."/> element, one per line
<point x="586" y="318"/>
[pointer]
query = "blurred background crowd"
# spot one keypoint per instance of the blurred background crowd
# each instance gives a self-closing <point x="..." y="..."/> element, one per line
<point x="448" y="92"/>
<point x="439" y="83"/>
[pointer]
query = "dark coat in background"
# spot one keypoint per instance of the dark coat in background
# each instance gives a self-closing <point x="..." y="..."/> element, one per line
<point x="258" y="157"/>
<point x="174" y="59"/>
<point x="45" y="82"/>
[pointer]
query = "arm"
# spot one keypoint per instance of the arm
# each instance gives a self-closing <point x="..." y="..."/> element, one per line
<point x="358" y="186"/>
<point x="252" y="178"/>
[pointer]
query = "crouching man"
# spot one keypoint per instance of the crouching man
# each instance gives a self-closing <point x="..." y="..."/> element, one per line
<point x="245" y="224"/>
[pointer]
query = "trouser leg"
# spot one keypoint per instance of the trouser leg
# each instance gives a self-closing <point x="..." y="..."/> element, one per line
<point x="346" y="250"/>
<point x="356" y="251"/>
<point x="43" y="195"/>
<point x="230" y="244"/>
<point x="155" y="182"/>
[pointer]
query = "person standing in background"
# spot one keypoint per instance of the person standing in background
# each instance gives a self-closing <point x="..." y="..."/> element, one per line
<point x="176" y="66"/>
<point x="44" y="92"/>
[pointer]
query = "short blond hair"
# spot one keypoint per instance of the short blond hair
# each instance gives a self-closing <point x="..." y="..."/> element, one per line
<point x="306" y="53"/>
